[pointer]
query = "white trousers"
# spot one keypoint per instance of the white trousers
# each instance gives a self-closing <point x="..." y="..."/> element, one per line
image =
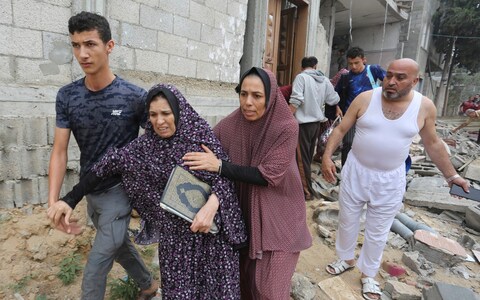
<point x="382" y="192"/>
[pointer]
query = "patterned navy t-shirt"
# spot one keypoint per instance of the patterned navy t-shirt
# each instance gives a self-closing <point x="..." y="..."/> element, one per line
<point x="100" y="120"/>
<point x="359" y="83"/>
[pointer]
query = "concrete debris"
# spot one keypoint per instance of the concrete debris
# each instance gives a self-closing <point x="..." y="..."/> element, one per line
<point x="437" y="249"/>
<point x="401" y="291"/>
<point x="327" y="216"/>
<point x="472" y="217"/>
<point x="322" y="231"/>
<point x="336" y="288"/>
<point x="443" y="235"/>
<point x="433" y="192"/>
<point x="302" y="288"/>
<point x="417" y="263"/>
<point x="472" y="171"/>
<point x="477" y="255"/>
<point x="462" y="271"/>
<point x="468" y="242"/>
<point x="445" y="291"/>
<point x="396" y="241"/>
<point x="451" y="216"/>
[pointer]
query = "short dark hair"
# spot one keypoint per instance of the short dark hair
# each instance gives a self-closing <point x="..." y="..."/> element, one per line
<point x="355" y="52"/>
<point x="309" y="62"/>
<point x="87" y="21"/>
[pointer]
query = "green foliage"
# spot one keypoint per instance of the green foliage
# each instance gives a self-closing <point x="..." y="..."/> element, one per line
<point x="123" y="289"/>
<point x="22" y="283"/>
<point x="69" y="267"/>
<point x="461" y="19"/>
<point x="148" y="251"/>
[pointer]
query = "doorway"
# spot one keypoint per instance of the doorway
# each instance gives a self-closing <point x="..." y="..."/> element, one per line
<point x="285" y="38"/>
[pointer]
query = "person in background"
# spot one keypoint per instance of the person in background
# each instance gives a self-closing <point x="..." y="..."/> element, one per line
<point x="361" y="78"/>
<point x="286" y="91"/>
<point x="101" y="110"/>
<point x="470" y="103"/>
<point x="261" y="137"/>
<point x="387" y="120"/>
<point x="194" y="264"/>
<point x="310" y="92"/>
<point x="472" y="115"/>
<point x="341" y="60"/>
<point x="331" y="112"/>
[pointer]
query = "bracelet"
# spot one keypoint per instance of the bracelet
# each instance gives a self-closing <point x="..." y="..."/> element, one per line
<point x="220" y="167"/>
<point x="452" y="178"/>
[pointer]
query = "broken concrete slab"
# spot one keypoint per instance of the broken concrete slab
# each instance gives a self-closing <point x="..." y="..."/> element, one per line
<point x="477" y="255"/>
<point x="472" y="217"/>
<point x="417" y="263"/>
<point x="396" y="241"/>
<point x="322" y="231"/>
<point x="451" y="216"/>
<point x="302" y="288"/>
<point x="327" y="215"/>
<point x="433" y="192"/>
<point x="336" y="288"/>
<point x="457" y="161"/>
<point x="462" y="271"/>
<point x="401" y="291"/>
<point x="438" y="249"/>
<point x="445" y="291"/>
<point x="472" y="171"/>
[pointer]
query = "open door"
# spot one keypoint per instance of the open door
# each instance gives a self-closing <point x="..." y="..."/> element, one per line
<point x="286" y="38"/>
<point x="273" y="28"/>
<point x="285" y="46"/>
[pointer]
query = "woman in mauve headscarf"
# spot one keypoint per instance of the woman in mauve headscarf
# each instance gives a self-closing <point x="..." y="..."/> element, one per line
<point x="194" y="264"/>
<point x="261" y="137"/>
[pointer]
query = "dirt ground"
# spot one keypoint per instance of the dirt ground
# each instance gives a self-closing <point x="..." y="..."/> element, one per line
<point x="31" y="252"/>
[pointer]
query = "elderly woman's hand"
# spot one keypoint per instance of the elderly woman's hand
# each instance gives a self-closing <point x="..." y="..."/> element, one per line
<point x="206" y="161"/>
<point x="203" y="220"/>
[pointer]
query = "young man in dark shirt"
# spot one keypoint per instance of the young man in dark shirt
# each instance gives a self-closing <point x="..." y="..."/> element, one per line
<point x="360" y="78"/>
<point x="102" y="111"/>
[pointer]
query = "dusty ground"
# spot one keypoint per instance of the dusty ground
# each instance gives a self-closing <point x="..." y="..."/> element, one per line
<point x="30" y="253"/>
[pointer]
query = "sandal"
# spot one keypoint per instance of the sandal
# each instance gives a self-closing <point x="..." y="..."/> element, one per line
<point x="370" y="286"/>
<point x="338" y="267"/>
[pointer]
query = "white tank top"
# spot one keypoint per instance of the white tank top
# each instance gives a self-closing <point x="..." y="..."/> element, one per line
<point x="383" y="144"/>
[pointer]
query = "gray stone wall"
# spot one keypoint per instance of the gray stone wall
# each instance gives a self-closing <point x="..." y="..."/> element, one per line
<point x="194" y="44"/>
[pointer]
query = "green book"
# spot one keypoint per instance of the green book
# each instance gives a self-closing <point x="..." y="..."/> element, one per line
<point x="185" y="194"/>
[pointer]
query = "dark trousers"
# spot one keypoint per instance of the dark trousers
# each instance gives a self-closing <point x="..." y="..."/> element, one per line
<point x="307" y="139"/>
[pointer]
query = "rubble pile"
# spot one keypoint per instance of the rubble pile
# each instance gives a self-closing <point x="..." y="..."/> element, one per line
<point x="437" y="232"/>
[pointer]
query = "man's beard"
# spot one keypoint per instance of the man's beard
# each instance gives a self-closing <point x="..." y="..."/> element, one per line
<point x="395" y="95"/>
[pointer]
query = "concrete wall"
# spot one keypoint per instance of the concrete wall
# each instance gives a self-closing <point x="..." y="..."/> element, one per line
<point x="194" y="44"/>
<point x="419" y="45"/>
<point x="372" y="41"/>
<point x="420" y="28"/>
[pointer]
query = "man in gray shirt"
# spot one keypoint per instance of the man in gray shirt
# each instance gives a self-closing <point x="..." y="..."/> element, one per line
<point x="310" y="91"/>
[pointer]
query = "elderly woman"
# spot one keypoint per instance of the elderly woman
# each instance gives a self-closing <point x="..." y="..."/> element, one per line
<point x="261" y="137"/>
<point x="194" y="264"/>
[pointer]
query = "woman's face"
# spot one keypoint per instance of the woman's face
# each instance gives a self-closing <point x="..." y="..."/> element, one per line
<point x="162" y="118"/>
<point x="252" y="98"/>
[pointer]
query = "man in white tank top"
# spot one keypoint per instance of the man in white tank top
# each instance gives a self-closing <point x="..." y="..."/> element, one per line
<point x="387" y="119"/>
